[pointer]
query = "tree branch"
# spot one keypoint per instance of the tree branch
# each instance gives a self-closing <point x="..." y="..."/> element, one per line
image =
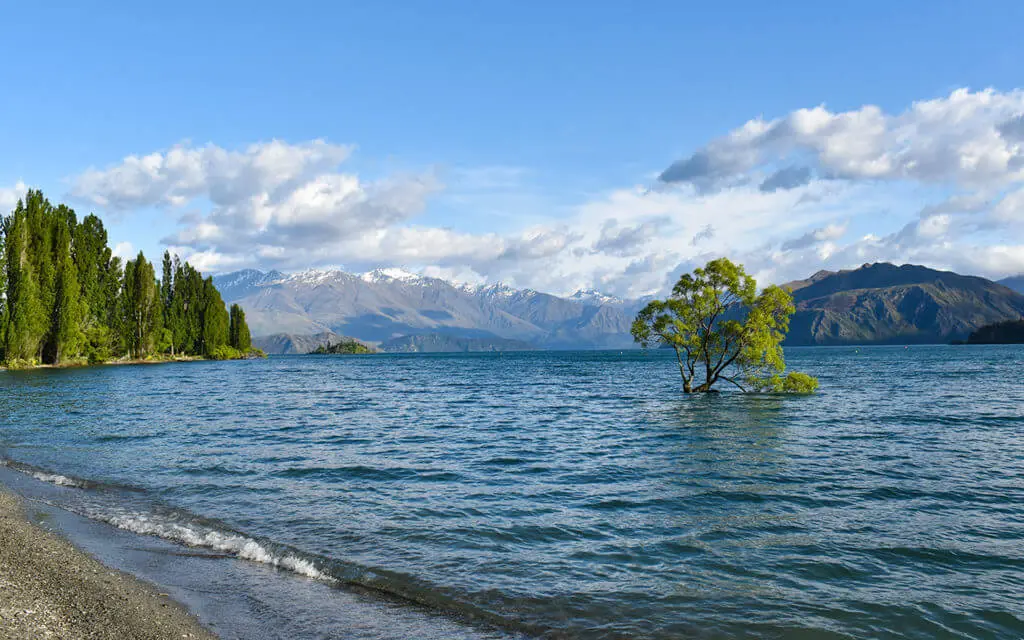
<point x="742" y="388"/>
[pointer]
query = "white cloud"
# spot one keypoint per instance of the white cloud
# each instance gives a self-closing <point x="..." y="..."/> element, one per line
<point x="184" y="173"/>
<point x="9" y="196"/>
<point x="124" y="250"/>
<point x="939" y="183"/>
<point x="969" y="138"/>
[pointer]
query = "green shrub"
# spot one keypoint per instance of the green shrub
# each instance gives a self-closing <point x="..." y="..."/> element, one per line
<point x="21" y="363"/>
<point x="224" y="352"/>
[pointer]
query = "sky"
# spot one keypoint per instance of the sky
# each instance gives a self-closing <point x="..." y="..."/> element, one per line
<point x="556" y="146"/>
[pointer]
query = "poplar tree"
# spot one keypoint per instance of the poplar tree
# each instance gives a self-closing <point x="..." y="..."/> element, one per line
<point x="92" y="259"/>
<point x="64" y="294"/>
<point x="3" y="285"/>
<point x="25" y="315"/>
<point x="167" y="298"/>
<point x="40" y="217"/>
<point x="239" y="331"/>
<point x="68" y="309"/>
<point x="140" y="304"/>
<point x="214" y="319"/>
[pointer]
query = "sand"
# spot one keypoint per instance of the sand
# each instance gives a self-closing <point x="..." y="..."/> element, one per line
<point x="49" y="589"/>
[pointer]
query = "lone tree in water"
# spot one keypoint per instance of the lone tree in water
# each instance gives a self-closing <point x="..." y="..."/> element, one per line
<point x="722" y="329"/>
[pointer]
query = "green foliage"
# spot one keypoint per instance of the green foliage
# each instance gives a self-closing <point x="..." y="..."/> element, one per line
<point x="65" y="298"/>
<point x="141" y="313"/>
<point x="720" y="327"/>
<point x="15" y="364"/>
<point x="1008" y="332"/>
<point x="793" y="382"/>
<point x="214" y="320"/>
<point x="348" y="347"/>
<point x="225" y="352"/>
<point x="100" y="344"/>
<point x="3" y="286"/>
<point x="238" y="332"/>
<point x="25" y="315"/>
<point x="98" y="271"/>
<point x="68" y="307"/>
<point x="163" y="344"/>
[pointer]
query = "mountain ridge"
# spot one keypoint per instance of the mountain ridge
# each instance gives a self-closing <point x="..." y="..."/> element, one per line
<point x="884" y="303"/>
<point x="385" y="304"/>
<point x="874" y="303"/>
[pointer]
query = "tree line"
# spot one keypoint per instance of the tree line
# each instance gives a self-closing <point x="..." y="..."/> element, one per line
<point x="65" y="298"/>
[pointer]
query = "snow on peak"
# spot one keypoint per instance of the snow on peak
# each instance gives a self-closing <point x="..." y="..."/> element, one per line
<point x="390" y="274"/>
<point x="594" y="296"/>
<point x="498" y="289"/>
<point x="314" y="276"/>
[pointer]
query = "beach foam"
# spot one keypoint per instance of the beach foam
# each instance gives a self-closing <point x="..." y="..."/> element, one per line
<point x="195" y="535"/>
<point x="57" y="479"/>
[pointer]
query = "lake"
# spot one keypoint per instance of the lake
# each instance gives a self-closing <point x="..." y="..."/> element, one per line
<point x="567" y="494"/>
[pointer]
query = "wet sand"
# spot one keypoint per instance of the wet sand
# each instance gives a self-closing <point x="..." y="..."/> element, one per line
<point x="49" y="589"/>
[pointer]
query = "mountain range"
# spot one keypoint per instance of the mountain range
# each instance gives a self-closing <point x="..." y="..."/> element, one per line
<point x="386" y="304"/>
<point x="395" y="309"/>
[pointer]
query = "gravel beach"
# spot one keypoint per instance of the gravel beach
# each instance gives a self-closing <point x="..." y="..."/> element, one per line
<point x="49" y="589"/>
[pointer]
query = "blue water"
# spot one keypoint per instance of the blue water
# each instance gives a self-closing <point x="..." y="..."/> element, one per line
<point x="573" y="495"/>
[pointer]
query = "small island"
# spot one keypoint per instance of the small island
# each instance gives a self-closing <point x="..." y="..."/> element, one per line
<point x="1008" y="332"/>
<point x="347" y="346"/>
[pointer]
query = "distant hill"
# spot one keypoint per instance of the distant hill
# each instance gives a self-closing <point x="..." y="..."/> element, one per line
<point x="1013" y="282"/>
<point x="378" y="306"/>
<point x="885" y="303"/>
<point x="440" y="343"/>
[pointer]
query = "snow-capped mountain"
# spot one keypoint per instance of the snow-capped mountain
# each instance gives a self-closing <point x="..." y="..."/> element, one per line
<point x="384" y="304"/>
<point x="392" y="275"/>
<point x="593" y="296"/>
<point x="238" y="285"/>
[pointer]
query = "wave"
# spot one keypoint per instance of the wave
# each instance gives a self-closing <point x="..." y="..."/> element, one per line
<point x="181" y="527"/>
<point x="45" y="476"/>
<point x="57" y="479"/>
<point x="196" y="535"/>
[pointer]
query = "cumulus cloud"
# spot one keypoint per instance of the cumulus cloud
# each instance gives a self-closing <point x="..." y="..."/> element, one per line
<point x="787" y="178"/>
<point x="968" y="138"/>
<point x="940" y="183"/>
<point x="9" y="196"/>
<point x="124" y="250"/>
<point x="629" y="239"/>
<point x="1013" y="129"/>
<point x="183" y="173"/>
<point x="826" y="233"/>
<point x="707" y="232"/>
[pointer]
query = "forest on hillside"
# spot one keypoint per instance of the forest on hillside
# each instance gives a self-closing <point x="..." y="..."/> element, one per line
<point x="66" y="299"/>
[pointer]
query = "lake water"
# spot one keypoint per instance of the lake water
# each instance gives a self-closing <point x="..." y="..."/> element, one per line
<point x="568" y="495"/>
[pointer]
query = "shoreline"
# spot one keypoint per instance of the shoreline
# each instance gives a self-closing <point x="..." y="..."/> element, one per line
<point x="51" y="589"/>
<point x="120" y="363"/>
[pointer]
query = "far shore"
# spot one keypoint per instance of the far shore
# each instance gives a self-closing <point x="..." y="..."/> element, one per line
<point x="50" y="589"/>
<point x="110" y="363"/>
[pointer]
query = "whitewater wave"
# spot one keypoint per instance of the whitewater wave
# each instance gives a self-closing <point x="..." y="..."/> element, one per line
<point x="190" y="534"/>
<point x="57" y="479"/>
<point x="44" y="476"/>
<point x="104" y="503"/>
<point x="195" y="535"/>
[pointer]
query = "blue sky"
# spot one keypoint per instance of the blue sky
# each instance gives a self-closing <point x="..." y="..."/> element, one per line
<point x="519" y="135"/>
